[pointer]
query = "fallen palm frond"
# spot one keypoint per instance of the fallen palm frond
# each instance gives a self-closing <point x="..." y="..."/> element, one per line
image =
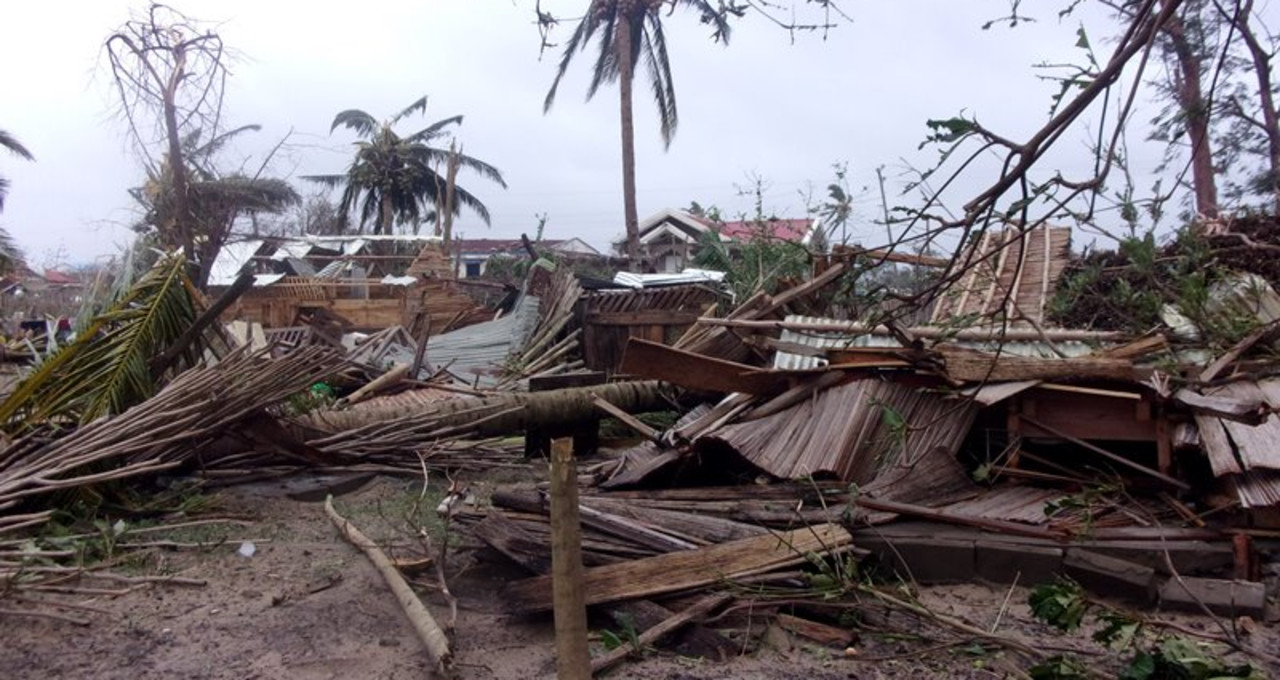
<point x="108" y="368"/>
<point x="164" y="431"/>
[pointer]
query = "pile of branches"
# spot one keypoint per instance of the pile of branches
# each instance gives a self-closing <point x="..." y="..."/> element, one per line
<point x="1127" y="288"/>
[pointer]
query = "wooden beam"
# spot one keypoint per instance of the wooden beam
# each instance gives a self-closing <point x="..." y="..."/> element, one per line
<point x="644" y="317"/>
<point x="1107" y="454"/>
<point x="688" y="569"/>
<point x="573" y="657"/>
<point x="968" y="365"/>
<point x="695" y="371"/>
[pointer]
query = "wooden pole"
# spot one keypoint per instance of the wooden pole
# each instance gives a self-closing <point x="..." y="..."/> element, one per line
<point x="573" y="658"/>
<point x="437" y="643"/>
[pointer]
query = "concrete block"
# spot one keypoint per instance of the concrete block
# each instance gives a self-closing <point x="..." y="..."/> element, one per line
<point x="1222" y="597"/>
<point x="1030" y="565"/>
<point x="927" y="560"/>
<point x="1110" y="576"/>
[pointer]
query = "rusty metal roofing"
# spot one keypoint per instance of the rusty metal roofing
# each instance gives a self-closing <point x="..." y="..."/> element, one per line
<point x="1011" y="270"/>
<point x="851" y="431"/>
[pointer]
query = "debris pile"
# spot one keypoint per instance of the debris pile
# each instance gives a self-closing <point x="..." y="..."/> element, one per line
<point x="814" y="470"/>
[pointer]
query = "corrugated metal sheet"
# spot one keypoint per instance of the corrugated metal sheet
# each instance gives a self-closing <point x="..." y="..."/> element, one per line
<point x="685" y="277"/>
<point x="1256" y="489"/>
<point x="477" y="353"/>
<point x="1009" y="503"/>
<point x="851" y="431"/>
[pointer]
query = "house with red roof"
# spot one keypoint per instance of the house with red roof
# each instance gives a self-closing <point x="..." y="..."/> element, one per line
<point x="670" y="239"/>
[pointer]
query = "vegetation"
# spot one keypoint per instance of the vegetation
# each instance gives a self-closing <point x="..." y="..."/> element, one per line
<point x="111" y="365"/>
<point x="397" y="180"/>
<point x="10" y="254"/>
<point x="1149" y="653"/>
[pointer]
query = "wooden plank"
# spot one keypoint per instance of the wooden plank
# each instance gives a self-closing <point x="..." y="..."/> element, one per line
<point x="687" y="569"/>
<point x="695" y="371"/>
<point x="643" y="317"/>
<point x="970" y="365"/>
<point x="1217" y="447"/>
<point x="1245" y="410"/>
<point x="818" y="632"/>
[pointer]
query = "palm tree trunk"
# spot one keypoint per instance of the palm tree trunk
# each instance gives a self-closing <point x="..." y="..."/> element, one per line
<point x="1191" y="100"/>
<point x="384" y="216"/>
<point x="539" y="409"/>
<point x="450" y="193"/>
<point x="625" y="73"/>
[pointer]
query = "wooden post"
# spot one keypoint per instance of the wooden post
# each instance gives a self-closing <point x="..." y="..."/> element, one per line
<point x="573" y="659"/>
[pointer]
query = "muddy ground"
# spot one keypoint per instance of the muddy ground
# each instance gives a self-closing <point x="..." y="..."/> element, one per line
<point x="308" y="605"/>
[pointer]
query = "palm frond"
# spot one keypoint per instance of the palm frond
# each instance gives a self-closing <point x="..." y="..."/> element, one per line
<point x="241" y="194"/>
<point x="466" y="198"/>
<point x="581" y="36"/>
<point x="420" y="106"/>
<point x="15" y="147"/>
<point x="108" y="368"/>
<point x="428" y="133"/>
<point x="10" y="254"/>
<point x="710" y="15"/>
<point x="331" y="181"/>
<point x="607" y="68"/>
<point x="659" y="68"/>
<point x="355" y="119"/>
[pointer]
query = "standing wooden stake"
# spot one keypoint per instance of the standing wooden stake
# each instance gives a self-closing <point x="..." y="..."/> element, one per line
<point x="573" y="659"/>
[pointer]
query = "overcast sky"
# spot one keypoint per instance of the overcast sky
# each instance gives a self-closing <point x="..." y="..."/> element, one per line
<point x="761" y="106"/>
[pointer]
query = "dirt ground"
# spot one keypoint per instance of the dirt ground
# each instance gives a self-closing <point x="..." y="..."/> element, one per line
<point x="308" y="605"/>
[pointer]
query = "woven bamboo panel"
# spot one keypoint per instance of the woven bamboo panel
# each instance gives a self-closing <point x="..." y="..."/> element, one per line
<point x="1010" y="271"/>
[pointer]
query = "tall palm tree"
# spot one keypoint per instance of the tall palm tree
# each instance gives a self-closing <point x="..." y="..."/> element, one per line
<point x="400" y="179"/>
<point x="625" y="30"/>
<point x="10" y="254"/>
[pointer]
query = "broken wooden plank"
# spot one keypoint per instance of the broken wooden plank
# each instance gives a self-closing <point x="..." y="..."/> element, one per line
<point x="1147" y="344"/>
<point x="698" y="610"/>
<point x="813" y="630"/>
<point x="687" y="569"/>
<point x="695" y="371"/>
<point x="629" y="420"/>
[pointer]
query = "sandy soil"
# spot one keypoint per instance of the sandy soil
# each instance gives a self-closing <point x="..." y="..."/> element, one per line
<point x="308" y="605"/>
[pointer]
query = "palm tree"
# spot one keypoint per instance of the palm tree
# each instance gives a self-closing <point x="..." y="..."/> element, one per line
<point x="10" y="254"/>
<point x="626" y="30"/>
<point x="399" y="179"/>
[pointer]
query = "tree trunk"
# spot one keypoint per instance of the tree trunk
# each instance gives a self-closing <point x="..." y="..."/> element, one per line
<point x="384" y="216"/>
<point x="177" y="163"/>
<point x="1270" y="123"/>
<point x="1196" y="110"/>
<point x="540" y="409"/>
<point x="625" y="73"/>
